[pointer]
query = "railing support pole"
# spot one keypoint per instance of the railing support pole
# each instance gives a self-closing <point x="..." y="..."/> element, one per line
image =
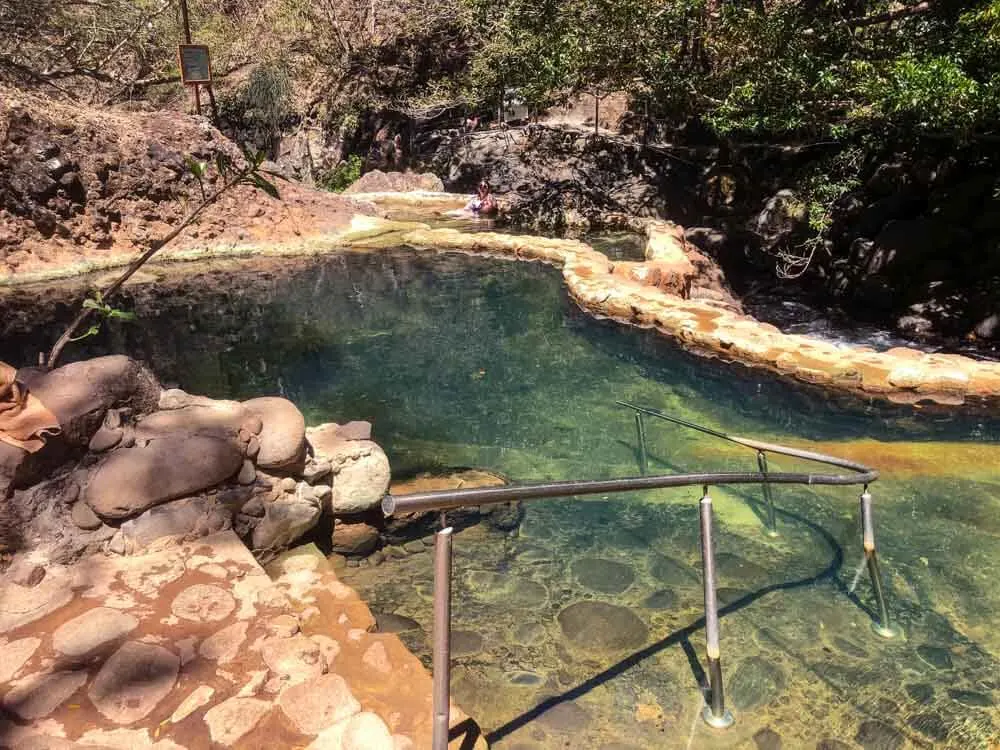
<point x="715" y="713"/>
<point x="771" y="524"/>
<point x="442" y="638"/>
<point x="884" y="626"/>
<point x="640" y="430"/>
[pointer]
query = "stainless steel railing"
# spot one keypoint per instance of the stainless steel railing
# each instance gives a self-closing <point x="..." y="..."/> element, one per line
<point x="715" y="713"/>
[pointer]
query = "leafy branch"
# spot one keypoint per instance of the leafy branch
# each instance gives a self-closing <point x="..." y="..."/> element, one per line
<point x="250" y="174"/>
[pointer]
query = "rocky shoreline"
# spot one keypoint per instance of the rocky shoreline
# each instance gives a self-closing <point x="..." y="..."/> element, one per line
<point x="131" y="544"/>
<point x="676" y="290"/>
<point x="682" y="294"/>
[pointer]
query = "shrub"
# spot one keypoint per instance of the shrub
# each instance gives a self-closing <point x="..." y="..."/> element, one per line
<point x="343" y="175"/>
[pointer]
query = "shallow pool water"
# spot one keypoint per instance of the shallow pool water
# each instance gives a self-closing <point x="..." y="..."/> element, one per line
<point x="581" y="628"/>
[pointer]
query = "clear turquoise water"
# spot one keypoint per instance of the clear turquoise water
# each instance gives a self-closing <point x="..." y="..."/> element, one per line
<point x="461" y="361"/>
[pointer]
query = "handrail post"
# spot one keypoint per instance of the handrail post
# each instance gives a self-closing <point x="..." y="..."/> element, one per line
<point x="884" y="626"/>
<point x="442" y="637"/>
<point x="770" y="524"/>
<point x="715" y="713"/>
<point x="640" y="429"/>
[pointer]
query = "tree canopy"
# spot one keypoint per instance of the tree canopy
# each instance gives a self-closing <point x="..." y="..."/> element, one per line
<point x="778" y="68"/>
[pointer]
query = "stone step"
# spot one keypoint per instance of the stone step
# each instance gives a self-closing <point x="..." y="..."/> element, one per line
<point x="196" y="646"/>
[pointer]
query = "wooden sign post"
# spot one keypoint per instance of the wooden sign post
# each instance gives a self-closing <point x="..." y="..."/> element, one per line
<point x="196" y="69"/>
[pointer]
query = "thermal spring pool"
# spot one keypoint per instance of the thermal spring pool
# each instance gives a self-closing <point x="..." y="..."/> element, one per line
<point x="577" y="626"/>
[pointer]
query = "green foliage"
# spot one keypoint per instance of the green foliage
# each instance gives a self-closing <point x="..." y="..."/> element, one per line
<point x="343" y="175"/>
<point x="250" y="174"/>
<point x="810" y="69"/>
<point x="932" y="93"/>
<point x="828" y="181"/>
<point x="104" y="312"/>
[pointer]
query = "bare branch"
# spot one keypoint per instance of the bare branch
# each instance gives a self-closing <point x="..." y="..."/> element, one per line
<point x="890" y="16"/>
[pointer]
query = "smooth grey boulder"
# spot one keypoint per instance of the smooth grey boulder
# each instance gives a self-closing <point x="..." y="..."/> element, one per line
<point x="128" y="481"/>
<point x="283" y="435"/>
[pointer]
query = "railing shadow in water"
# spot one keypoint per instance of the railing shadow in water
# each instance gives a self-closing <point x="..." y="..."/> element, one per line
<point x="681" y="637"/>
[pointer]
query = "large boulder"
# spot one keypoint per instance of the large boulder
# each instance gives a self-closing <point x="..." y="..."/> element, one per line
<point x="128" y="481"/>
<point x="283" y="437"/>
<point x="80" y="394"/>
<point x="359" y="468"/>
<point x="378" y="181"/>
<point x="285" y="520"/>
<point x="354" y="537"/>
<point x="214" y="418"/>
<point x="187" y="518"/>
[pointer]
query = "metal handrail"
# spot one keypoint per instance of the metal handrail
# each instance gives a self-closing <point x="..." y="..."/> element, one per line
<point x="715" y="712"/>
<point x="866" y="475"/>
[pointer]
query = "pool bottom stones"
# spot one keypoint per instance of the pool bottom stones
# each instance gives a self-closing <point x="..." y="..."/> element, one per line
<point x="607" y="670"/>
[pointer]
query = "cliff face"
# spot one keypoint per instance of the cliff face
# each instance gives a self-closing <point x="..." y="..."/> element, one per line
<point x="77" y="184"/>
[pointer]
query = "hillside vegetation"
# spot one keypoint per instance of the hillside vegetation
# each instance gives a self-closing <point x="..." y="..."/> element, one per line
<point x="810" y="68"/>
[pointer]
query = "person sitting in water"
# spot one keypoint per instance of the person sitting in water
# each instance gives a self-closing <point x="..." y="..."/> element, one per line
<point x="483" y="204"/>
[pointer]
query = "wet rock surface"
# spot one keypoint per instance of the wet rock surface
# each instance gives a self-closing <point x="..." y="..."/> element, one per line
<point x="134" y="681"/>
<point x="145" y="655"/>
<point x="755" y="682"/>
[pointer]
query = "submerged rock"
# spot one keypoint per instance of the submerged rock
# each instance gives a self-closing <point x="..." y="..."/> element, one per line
<point x="521" y="593"/>
<point x="565" y="716"/>
<point x="767" y="739"/>
<point x="935" y="656"/>
<point x="971" y="698"/>
<point x="389" y="622"/>
<point x="606" y="576"/>
<point x="598" y="626"/>
<point x="662" y="599"/>
<point x="466" y="642"/>
<point x="755" y="682"/>
<point x="667" y="570"/>
<point x="875" y="735"/>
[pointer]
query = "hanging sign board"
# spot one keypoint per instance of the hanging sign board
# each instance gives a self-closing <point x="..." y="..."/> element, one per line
<point x="195" y="65"/>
